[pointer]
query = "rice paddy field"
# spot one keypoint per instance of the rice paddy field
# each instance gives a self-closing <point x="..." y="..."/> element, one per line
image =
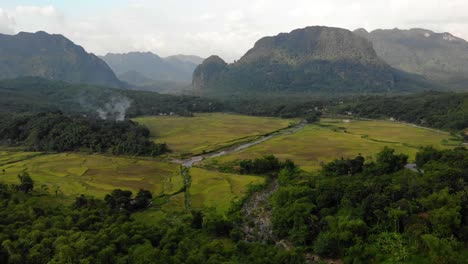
<point x="331" y="139"/>
<point x="97" y="175"/>
<point x="212" y="189"/>
<point x="208" y="132"/>
<point x="73" y="174"/>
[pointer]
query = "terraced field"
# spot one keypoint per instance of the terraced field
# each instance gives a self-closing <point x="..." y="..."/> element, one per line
<point x="331" y="139"/>
<point x="97" y="175"/>
<point x="208" y="132"/>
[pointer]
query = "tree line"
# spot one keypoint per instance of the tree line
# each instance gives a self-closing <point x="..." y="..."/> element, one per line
<point x="433" y="109"/>
<point x="57" y="132"/>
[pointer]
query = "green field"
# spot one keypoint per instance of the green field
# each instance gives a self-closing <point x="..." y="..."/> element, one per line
<point x="331" y="139"/>
<point x="95" y="175"/>
<point x="72" y="174"/>
<point x="212" y="189"/>
<point x="208" y="132"/>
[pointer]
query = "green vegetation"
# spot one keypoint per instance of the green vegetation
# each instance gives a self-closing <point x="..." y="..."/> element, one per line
<point x="378" y="212"/>
<point x="439" y="110"/>
<point x="208" y="132"/>
<point x="321" y="143"/>
<point x="39" y="95"/>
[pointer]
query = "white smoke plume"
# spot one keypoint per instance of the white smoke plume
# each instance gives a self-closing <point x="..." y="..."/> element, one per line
<point x="115" y="109"/>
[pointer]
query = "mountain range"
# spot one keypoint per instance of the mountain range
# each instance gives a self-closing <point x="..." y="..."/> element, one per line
<point x="309" y="60"/>
<point x="440" y="57"/>
<point x="53" y="57"/>
<point x="316" y="60"/>
<point x="144" y="68"/>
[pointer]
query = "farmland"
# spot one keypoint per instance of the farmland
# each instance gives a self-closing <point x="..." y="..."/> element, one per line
<point x="208" y="132"/>
<point x="96" y="175"/>
<point x="70" y="174"/>
<point x="331" y="139"/>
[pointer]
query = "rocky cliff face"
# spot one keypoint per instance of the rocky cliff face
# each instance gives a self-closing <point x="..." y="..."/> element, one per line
<point x="206" y="73"/>
<point x="52" y="57"/>
<point x="313" y="43"/>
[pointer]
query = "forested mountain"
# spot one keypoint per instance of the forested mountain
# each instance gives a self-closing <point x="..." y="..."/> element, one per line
<point x="438" y="56"/>
<point x="143" y="68"/>
<point x="52" y="57"/>
<point x="313" y="59"/>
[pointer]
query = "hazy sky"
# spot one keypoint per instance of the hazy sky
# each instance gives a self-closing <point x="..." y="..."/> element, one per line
<point x="225" y="28"/>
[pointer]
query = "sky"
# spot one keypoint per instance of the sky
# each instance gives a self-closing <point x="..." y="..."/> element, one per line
<point x="208" y="27"/>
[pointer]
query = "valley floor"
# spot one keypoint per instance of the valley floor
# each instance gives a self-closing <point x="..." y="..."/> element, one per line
<point x="177" y="188"/>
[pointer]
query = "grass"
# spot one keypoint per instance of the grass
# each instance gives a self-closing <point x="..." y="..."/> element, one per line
<point x="97" y="175"/>
<point x="212" y="189"/>
<point x="208" y="132"/>
<point x="331" y="139"/>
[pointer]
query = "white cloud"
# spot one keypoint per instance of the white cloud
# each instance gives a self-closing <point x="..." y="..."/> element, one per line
<point x="226" y="28"/>
<point x="7" y="23"/>
<point x="46" y="11"/>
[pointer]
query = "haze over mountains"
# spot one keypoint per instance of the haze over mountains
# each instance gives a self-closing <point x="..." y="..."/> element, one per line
<point x="52" y="57"/>
<point x="438" y="56"/>
<point x="142" y="68"/>
<point x="313" y="59"/>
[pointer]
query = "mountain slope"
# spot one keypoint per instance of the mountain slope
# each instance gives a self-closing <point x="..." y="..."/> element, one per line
<point x="312" y="60"/>
<point x="178" y="68"/>
<point x="52" y="57"/>
<point x="438" y="56"/>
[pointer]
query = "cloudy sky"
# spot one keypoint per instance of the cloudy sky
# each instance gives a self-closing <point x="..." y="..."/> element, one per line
<point x="225" y="28"/>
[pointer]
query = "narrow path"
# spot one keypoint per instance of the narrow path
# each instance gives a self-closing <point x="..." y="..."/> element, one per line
<point x="187" y="183"/>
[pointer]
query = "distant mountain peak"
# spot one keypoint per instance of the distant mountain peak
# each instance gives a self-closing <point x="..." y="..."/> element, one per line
<point x="361" y="30"/>
<point x="442" y="57"/>
<point x="135" y="66"/>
